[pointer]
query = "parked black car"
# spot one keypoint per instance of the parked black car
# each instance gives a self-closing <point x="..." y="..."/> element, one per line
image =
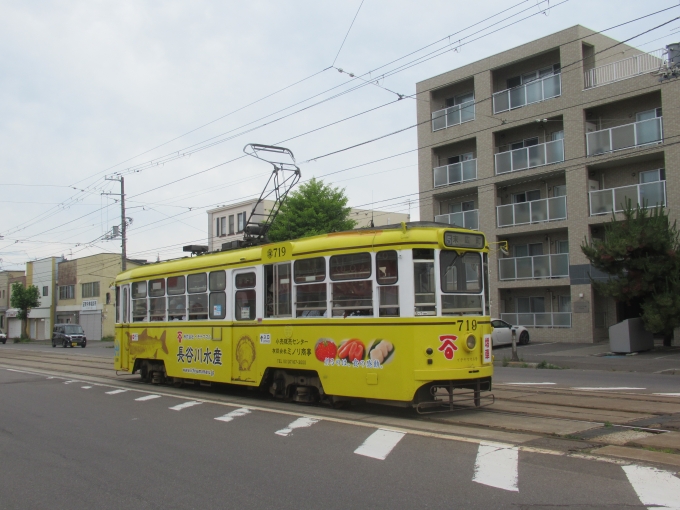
<point x="68" y="335"/>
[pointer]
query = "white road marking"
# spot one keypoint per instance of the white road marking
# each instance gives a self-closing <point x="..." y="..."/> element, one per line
<point x="496" y="466"/>
<point x="69" y="382"/>
<point x="20" y="371"/>
<point x="301" y="422"/>
<point x="526" y="383"/>
<point x="147" y="397"/>
<point x="379" y="444"/>
<point x="50" y="377"/>
<point x="619" y="388"/>
<point x="191" y="403"/>
<point x="234" y="414"/>
<point x="115" y="392"/>
<point x="668" y="394"/>
<point x="654" y="487"/>
<point x="86" y="387"/>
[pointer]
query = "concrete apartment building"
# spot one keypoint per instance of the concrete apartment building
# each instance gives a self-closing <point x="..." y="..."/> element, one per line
<point x="226" y="224"/>
<point x="536" y="146"/>
<point x="86" y="294"/>
<point x="43" y="274"/>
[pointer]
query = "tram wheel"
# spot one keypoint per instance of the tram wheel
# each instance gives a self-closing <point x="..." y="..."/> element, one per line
<point x="478" y="398"/>
<point x="144" y="371"/>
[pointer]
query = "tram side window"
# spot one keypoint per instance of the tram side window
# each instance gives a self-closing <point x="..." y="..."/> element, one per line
<point x="197" y="285"/>
<point x="139" y="305"/>
<point x="387" y="274"/>
<point x="157" y="300"/>
<point x="424" y="282"/>
<point x="277" y="290"/>
<point x="310" y="297"/>
<point x="461" y="282"/>
<point x="245" y="297"/>
<point x="218" y="298"/>
<point x="118" y="317"/>
<point x="352" y="290"/>
<point x="177" y="301"/>
<point x="126" y="301"/>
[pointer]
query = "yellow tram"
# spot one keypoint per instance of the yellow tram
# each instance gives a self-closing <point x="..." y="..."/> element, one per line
<point x="397" y="314"/>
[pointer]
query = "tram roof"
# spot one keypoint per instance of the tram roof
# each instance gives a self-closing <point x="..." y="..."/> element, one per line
<point x="414" y="234"/>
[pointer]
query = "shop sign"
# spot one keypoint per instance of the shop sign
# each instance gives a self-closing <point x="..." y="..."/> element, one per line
<point x="89" y="304"/>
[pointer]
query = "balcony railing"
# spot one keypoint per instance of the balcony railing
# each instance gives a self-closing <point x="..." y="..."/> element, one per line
<point x="532" y="92"/>
<point x="538" y="266"/>
<point x="649" y="194"/>
<point x="624" y="137"/>
<point x="456" y="173"/>
<point x="539" y="320"/>
<point x="626" y="68"/>
<point x="453" y="115"/>
<point x="536" y="211"/>
<point x="530" y="157"/>
<point x="465" y="219"/>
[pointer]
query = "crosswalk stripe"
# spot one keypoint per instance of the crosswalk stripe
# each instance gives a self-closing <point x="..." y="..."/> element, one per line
<point x="234" y="414"/>
<point x="115" y="392"/>
<point x="379" y="444"/>
<point x="147" y="397"/>
<point x="297" y="424"/>
<point x="617" y="388"/>
<point x="185" y="405"/>
<point x="654" y="487"/>
<point x="496" y="466"/>
<point x="86" y="387"/>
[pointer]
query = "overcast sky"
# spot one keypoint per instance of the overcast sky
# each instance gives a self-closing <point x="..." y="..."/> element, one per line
<point x="90" y="88"/>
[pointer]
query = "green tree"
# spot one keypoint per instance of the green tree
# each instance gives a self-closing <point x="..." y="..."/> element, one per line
<point x="24" y="298"/>
<point x="640" y="255"/>
<point x="312" y="209"/>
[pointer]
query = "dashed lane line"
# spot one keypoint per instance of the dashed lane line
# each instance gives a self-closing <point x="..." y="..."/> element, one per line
<point x="379" y="444"/>
<point x="496" y="466"/>
<point x="234" y="414"/>
<point x="115" y="392"/>
<point x="147" y="397"/>
<point x="302" y="422"/>
<point x="86" y="387"/>
<point x="184" y="405"/>
<point x="667" y="394"/>
<point x="71" y="381"/>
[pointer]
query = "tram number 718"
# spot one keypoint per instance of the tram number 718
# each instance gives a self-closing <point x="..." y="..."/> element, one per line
<point x="469" y="324"/>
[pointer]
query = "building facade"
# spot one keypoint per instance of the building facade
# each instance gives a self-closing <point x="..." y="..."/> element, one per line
<point x="6" y="278"/>
<point x="537" y="147"/>
<point x="43" y="274"/>
<point x="86" y="293"/>
<point x="226" y="224"/>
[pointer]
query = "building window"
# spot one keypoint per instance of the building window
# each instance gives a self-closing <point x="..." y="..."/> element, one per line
<point x="516" y="81"/>
<point x="652" y="176"/>
<point x="528" y="250"/>
<point x="45" y="290"/>
<point x="241" y="222"/>
<point x="526" y="196"/>
<point x="90" y="290"/>
<point x="108" y="298"/>
<point x="463" y="98"/>
<point x="462" y="207"/>
<point x="66" y="291"/>
<point x="648" y="115"/>
<point x="231" y="224"/>
<point x="461" y="157"/>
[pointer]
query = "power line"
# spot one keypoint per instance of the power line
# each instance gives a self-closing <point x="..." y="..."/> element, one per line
<point x="345" y="38"/>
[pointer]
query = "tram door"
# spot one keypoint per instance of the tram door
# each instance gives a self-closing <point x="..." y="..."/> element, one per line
<point x="124" y="335"/>
<point x="244" y="365"/>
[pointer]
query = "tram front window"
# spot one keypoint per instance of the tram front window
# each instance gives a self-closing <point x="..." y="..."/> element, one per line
<point x="461" y="283"/>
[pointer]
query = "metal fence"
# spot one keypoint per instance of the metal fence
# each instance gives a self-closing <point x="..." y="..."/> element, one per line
<point x="453" y="115"/>
<point x="539" y="320"/>
<point x="532" y="92"/>
<point x="536" y="211"/>
<point x="537" y="266"/>
<point x="466" y="219"/>
<point x="626" y="68"/>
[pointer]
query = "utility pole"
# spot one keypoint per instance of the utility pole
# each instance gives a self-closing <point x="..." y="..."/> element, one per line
<point x="123" y="225"/>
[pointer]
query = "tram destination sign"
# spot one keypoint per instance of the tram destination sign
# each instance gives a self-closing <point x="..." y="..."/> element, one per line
<point x="460" y="240"/>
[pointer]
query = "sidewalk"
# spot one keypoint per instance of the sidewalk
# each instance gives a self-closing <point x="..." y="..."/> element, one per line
<point x="660" y="360"/>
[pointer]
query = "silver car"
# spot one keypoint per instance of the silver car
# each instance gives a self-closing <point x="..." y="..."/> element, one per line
<point x="502" y="333"/>
<point x="3" y="337"/>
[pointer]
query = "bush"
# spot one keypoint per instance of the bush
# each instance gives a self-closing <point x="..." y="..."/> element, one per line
<point x="108" y="338"/>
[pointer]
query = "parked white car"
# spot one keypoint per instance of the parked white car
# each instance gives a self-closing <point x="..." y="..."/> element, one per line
<point x="502" y="333"/>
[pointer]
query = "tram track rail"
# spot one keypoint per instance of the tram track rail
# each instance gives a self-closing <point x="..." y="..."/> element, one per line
<point x="530" y="400"/>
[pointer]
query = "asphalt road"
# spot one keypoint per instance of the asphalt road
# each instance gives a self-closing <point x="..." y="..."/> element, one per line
<point x="77" y="445"/>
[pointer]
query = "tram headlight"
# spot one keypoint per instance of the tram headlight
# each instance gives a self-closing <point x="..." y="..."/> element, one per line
<point x="471" y="342"/>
